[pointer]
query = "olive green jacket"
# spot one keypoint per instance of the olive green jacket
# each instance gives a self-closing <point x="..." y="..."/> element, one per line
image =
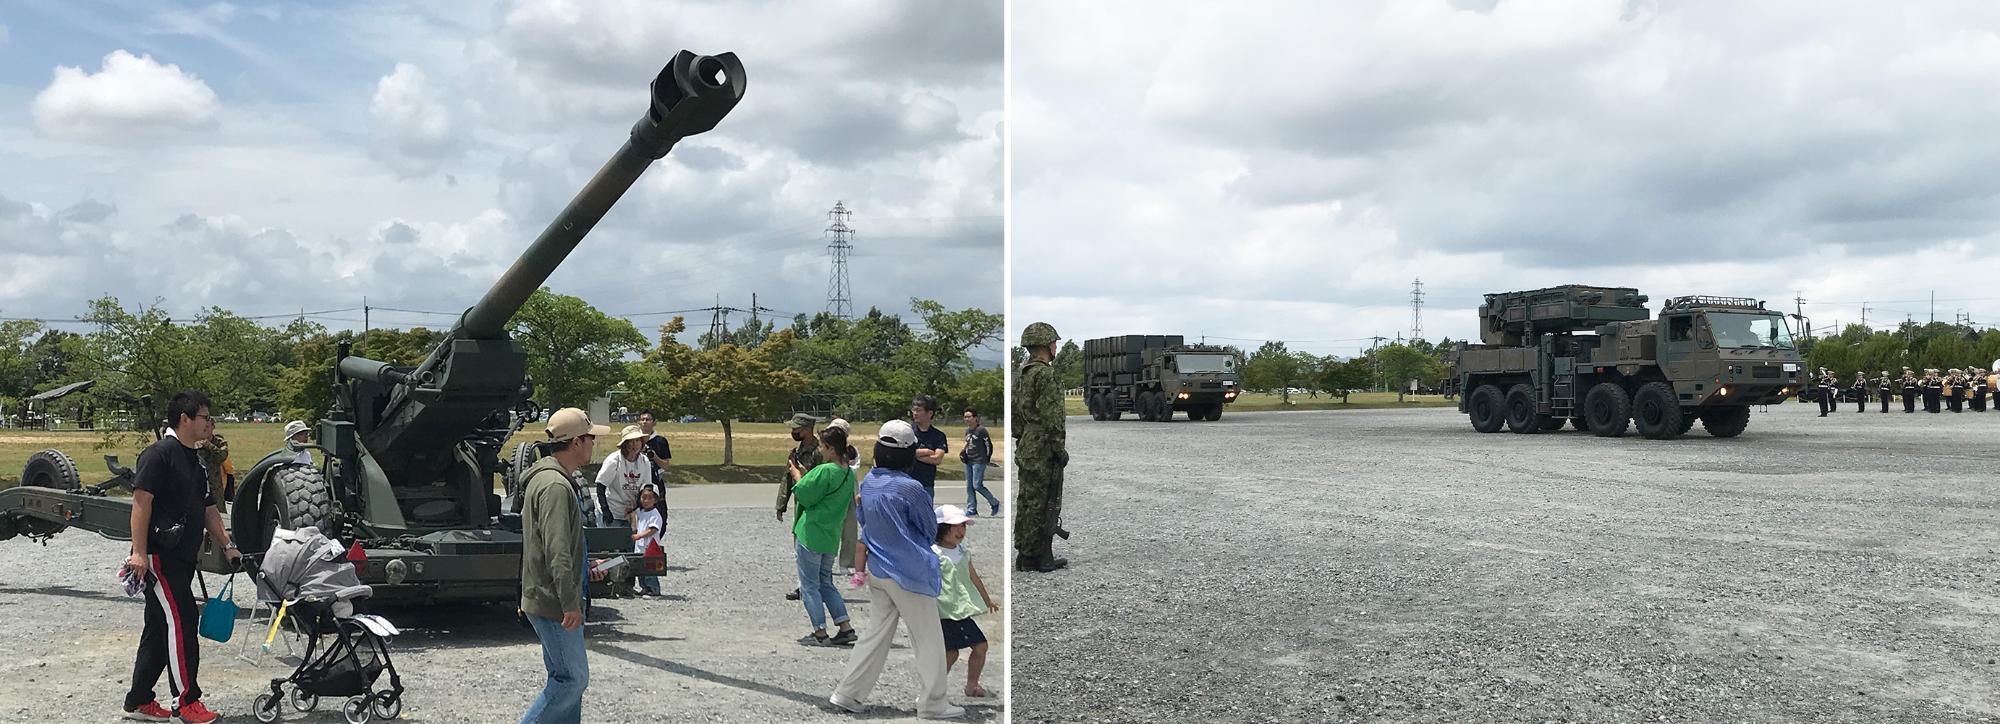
<point x="551" y="543"/>
<point x="1038" y="420"/>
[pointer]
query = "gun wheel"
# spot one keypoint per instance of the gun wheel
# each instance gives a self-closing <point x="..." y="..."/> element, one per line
<point x="51" y="469"/>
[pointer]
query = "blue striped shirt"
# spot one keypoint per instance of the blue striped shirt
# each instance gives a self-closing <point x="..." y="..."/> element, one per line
<point x="899" y="526"/>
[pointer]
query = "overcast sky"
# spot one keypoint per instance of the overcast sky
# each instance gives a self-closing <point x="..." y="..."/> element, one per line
<point x="1197" y="168"/>
<point x="269" y="157"/>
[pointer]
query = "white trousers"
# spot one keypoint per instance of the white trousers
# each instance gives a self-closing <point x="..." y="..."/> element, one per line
<point x="887" y="602"/>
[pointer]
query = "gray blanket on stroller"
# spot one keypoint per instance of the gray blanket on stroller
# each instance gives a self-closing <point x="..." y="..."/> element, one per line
<point x="302" y="564"/>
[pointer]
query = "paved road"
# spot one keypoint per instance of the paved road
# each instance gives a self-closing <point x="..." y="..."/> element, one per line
<point x="721" y="647"/>
<point x="1397" y="566"/>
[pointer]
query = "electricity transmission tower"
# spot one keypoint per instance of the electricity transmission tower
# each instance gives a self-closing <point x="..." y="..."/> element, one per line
<point x="840" y="241"/>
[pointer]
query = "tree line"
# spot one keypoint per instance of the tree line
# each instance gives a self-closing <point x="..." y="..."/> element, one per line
<point x="576" y="353"/>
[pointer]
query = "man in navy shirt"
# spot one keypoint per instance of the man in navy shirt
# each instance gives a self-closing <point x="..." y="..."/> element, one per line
<point x="932" y="443"/>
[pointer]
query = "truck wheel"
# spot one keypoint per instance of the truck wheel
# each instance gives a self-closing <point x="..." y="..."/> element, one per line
<point x="1521" y="417"/>
<point x="1096" y="410"/>
<point x="1656" y="411"/>
<point x="1163" y="407"/>
<point x="1486" y="408"/>
<point x="51" y="469"/>
<point x="295" y="496"/>
<point x="1111" y="411"/>
<point x="1142" y="406"/>
<point x="1687" y="423"/>
<point x="1726" y="422"/>
<point x="1607" y="410"/>
<point x="1577" y="424"/>
<point x="1214" y="412"/>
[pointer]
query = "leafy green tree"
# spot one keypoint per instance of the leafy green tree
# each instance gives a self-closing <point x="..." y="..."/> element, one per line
<point x="140" y="352"/>
<point x="19" y="376"/>
<point x="575" y="352"/>
<point x="982" y="390"/>
<point x="1339" y="376"/>
<point x="1272" y="367"/>
<point x="1402" y="363"/>
<point x="1068" y="364"/>
<point x="726" y="383"/>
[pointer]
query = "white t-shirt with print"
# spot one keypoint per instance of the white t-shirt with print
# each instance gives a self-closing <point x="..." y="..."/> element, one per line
<point x="644" y="519"/>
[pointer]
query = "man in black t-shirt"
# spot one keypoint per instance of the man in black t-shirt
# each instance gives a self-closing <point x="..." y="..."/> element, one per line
<point x="657" y="450"/>
<point x="172" y="507"/>
<point x="931" y="442"/>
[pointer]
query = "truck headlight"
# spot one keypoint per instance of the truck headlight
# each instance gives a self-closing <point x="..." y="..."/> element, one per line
<point x="397" y="571"/>
<point x="1723" y="391"/>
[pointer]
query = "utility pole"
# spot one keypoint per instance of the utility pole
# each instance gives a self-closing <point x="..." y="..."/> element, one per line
<point x="1933" y="306"/>
<point x="1864" y="316"/>
<point x="364" y="317"/>
<point x="1378" y="339"/>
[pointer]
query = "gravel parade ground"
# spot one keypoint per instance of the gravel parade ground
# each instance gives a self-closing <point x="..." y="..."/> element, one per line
<point x="721" y="647"/>
<point x="1395" y="565"/>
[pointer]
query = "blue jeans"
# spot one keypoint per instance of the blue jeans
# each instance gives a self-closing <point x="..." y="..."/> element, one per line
<point x="816" y="588"/>
<point x="975" y="486"/>
<point x="569" y="673"/>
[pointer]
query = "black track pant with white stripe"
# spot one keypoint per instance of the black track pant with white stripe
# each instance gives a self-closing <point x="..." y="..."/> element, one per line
<point x="168" y="643"/>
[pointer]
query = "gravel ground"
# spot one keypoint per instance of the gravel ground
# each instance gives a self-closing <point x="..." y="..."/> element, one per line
<point x="1397" y="566"/>
<point x="721" y="646"/>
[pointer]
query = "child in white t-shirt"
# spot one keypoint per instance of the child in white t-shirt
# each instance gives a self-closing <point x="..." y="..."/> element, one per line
<point x="956" y="602"/>
<point x="649" y="526"/>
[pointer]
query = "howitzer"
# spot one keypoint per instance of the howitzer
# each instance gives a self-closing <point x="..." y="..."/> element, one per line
<point x="412" y="452"/>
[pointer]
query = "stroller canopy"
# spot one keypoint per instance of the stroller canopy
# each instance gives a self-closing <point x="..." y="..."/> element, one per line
<point x="304" y="565"/>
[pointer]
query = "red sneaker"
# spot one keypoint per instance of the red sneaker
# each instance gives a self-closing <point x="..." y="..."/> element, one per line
<point x="152" y="711"/>
<point x="197" y="713"/>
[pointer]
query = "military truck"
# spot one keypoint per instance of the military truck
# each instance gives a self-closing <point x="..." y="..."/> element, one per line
<point x="1593" y="357"/>
<point x="1156" y="375"/>
<point x="412" y="453"/>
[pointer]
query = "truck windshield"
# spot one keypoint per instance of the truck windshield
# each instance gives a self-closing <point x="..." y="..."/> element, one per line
<point x="1749" y="330"/>
<point x="1204" y="363"/>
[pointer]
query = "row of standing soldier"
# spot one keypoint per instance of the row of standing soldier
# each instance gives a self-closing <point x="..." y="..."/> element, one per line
<point x="1954" y="390"/>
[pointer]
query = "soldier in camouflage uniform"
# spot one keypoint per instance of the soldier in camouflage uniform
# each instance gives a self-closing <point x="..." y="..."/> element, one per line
<point x="1039" y="453"/>
<point x="214" y="454"/>
<point x="806" y="456"/>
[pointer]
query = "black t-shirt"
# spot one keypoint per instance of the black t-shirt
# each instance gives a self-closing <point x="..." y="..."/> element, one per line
<point x="657" y="443"/>
<point x="932" y="439"/>
<point x="175" y="476"/>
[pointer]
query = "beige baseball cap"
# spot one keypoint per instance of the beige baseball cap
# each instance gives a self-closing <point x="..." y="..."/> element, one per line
<point x="898" y="434"/>
<point x="570" y="422"/>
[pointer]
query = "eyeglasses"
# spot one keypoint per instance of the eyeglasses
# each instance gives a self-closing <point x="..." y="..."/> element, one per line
<point x="210" y="419"/>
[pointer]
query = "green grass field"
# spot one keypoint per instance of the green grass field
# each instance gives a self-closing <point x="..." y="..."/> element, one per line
<point x="1261" y="403"/>
<point x="760" y="449"/>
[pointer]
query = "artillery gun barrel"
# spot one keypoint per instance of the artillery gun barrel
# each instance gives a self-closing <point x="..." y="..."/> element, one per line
<point x="689" y="97"/>
<point x="373" y="371"/>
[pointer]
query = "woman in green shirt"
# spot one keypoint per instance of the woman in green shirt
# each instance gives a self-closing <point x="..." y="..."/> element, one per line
<point x="822" y="495"/>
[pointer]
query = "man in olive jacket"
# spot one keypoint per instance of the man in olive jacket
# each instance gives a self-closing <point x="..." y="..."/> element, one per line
<point x="552" y="564"/>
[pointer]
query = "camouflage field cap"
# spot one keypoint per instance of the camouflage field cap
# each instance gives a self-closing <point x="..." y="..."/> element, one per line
<point x="1039" y="334"/>
<point x="801" y="419"/>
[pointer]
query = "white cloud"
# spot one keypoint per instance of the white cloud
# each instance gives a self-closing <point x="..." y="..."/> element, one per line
<point x="129" y="98"/>
<point x="414" y="129"/>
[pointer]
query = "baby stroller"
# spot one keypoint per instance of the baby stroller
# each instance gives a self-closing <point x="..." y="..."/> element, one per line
<point x="309" y="578"/>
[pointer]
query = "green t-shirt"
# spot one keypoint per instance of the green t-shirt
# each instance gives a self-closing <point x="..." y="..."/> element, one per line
<point x="824" y="495"/>
<point x="959" y="599"/>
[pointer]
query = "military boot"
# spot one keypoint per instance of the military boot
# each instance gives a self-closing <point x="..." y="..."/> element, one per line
<point x="1048" y="562"/>
<point x="1025" y="562"/>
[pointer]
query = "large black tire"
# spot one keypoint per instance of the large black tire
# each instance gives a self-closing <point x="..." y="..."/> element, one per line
<point x="51" y="469"/>
<point x="1111" y="411"/>
<point x="1214" y="412"/>
<point x="1142" y="406"/>
<point x="1607" y="410"/>
<point x="1577" y="423"/>
<point x="1726" y="422"/>
<point x="1165" y="413"/>
<point x="1687" y="423"/>
<point x="1521" y="417"/>
<point x="1090" y="403"/>
<point x="1656" y="411"/>
<point x="296" y="496"/>
<point x="1487" y="408"/>
<point x="523" y="458"/>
